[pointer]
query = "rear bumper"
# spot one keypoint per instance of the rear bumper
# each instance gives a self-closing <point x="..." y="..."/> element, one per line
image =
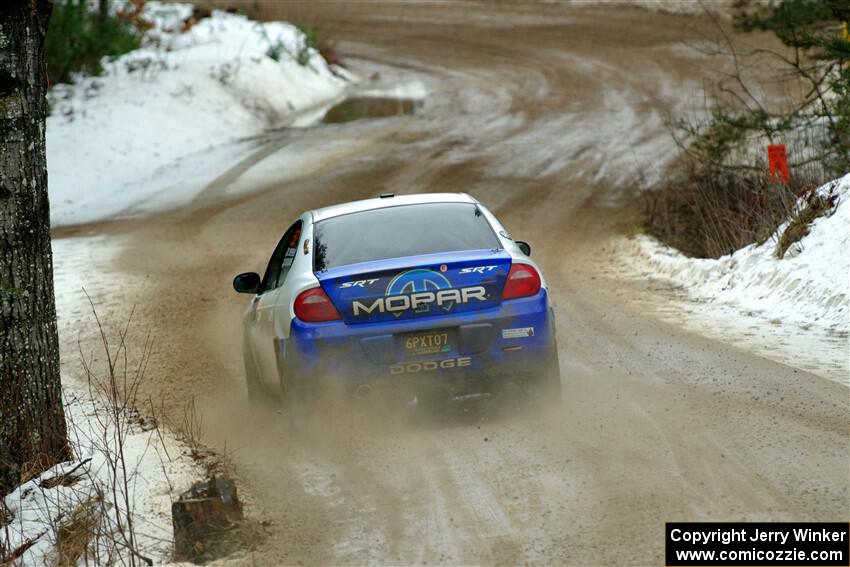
<point x="513" y="339"/>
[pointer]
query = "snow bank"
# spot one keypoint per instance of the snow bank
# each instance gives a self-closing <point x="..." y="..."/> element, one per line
<point x="158" y="466"/>
<point x="808" y="289"/>
<point x="809" y="286"/>
<point x="181" y="105"/>
<point x="681" y="7"/>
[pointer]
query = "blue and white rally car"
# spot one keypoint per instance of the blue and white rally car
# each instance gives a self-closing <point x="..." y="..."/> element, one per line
<point x="412" y="293"/>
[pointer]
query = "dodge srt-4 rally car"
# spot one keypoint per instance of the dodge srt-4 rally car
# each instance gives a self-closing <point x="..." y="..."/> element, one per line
<point x="417" y="293"/>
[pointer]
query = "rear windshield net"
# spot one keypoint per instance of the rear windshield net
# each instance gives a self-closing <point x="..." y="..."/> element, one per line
<point x="406" y="230"/>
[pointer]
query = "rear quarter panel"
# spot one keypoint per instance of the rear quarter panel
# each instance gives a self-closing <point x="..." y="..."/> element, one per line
<point x="510" y="246"/>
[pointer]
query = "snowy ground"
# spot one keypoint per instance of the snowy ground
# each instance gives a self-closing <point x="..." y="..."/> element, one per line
<point x="162" y="119"/>
<point x="158" y="468"/>
<point x="688" y="7"/>
<point x="794" y="310"/>
<point x="159" y="464"/>
<point x="683" y="7"/>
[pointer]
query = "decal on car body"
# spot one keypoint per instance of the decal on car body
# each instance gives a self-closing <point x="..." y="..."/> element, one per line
<point x="421" y="301"/>
<point x="518" y="333"/>
<point x="478" y="269"/>
<point x="370" y="293"/>
<point x="430" y="366"/>
<point x="411" y="290"/>
<point x="359" y="283"/>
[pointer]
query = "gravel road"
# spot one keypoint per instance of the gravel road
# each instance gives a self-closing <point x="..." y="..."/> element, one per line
<point x="549" y="115"/>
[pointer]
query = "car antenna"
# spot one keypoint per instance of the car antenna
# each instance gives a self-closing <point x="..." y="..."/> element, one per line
<point x="387" y="195"/>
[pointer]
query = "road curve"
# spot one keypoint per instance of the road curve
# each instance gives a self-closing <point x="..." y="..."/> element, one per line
<point x="549" y="115"/>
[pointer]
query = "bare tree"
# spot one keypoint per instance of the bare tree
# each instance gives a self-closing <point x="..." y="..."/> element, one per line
<point x="32" y="422"/>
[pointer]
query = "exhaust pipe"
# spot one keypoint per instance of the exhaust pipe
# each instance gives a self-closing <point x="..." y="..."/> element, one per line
<point x="363" y="391"/>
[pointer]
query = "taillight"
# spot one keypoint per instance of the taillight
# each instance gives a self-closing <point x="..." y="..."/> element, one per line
<point x="314" y="305"/>
<point x="523" y="280"/>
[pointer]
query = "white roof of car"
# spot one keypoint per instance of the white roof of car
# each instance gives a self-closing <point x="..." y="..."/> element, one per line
<point x="385" y="202"/>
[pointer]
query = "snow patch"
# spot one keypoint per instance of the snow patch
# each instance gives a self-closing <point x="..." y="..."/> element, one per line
<point x="411" y="90"/>
<point x="159" y="468"/>
<point x="802" y="298"/>
<point x="679" y="7"/>
<point x="142" y="131"/>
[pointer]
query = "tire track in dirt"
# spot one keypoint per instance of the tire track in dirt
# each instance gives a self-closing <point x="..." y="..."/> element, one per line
<point x="658" y="424"/>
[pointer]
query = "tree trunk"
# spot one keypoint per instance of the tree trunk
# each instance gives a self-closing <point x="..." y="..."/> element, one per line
<point x="103" y="10"/>
<point x="32" y="422"/>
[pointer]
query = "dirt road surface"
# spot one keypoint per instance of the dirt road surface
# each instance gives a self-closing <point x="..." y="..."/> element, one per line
<point x="548" y="115"/>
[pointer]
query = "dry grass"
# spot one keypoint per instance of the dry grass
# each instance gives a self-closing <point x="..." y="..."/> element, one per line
<point x="708" y="214"/>
<point x="8" y="558"/>
<point x="816" y="206"/>
<point x="35" y="467"/>
<point x="114" y="377"/>
<point x="75" y="534"/>
<point x="244" y="536"/>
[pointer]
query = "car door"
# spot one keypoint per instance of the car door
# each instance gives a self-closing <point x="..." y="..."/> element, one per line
<point x="266" y="303"/>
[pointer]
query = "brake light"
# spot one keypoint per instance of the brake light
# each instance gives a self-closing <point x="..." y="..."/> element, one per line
<point x="523" y="281"/>
<point x="314" y="306"/>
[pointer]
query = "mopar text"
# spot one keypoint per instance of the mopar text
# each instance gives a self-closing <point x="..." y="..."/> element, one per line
<point x="445" y="298"/>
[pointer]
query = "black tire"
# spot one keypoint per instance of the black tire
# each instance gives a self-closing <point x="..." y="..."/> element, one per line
<point x="258" y="397"/>
<point x="552" y="376"/>
<point x="296" y="400"/>
<point x="545" y="386"/>
<point x="286" y="388"/>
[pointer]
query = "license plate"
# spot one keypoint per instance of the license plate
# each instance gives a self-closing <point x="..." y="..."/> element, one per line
<point x="427" y="343"/>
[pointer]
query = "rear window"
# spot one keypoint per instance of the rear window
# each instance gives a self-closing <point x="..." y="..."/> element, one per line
<point x="406" y="230"/>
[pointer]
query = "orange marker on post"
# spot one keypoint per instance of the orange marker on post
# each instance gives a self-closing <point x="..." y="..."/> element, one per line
<point x="777" y="160"/>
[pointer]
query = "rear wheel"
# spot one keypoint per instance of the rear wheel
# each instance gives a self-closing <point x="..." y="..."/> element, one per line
<point x="296" y="397"/>
<point x="258" y="397"/>
<point x="552" y="376"/>
<point x="547" y="384"/>
<point x="286" y="395"/>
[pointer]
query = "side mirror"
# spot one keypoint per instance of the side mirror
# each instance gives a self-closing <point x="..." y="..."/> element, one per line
<point x="249" y="282"/>
<point x="524" y="246"/>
